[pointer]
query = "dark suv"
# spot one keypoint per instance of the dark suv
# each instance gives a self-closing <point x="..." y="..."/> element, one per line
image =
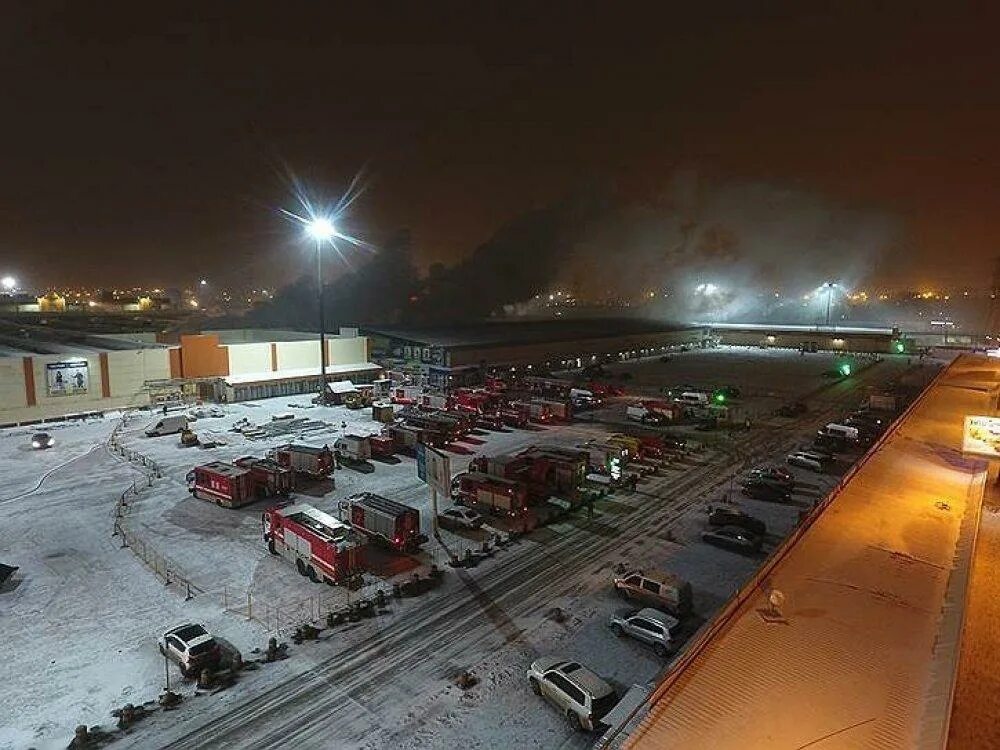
<point x="736" y="517"/>
<point x="760" y="489"/>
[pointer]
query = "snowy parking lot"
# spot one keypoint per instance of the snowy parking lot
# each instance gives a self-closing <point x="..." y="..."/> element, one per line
<point x="388" y="681"/>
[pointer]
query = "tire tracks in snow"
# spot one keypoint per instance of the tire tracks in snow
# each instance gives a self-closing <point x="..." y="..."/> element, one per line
<point x="49" y="473"/>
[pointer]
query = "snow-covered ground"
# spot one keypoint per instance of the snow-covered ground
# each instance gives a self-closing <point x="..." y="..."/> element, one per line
<point x="83" y="615"/>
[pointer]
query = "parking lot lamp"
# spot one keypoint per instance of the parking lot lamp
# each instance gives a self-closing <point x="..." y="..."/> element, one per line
<point x="321" y="230"/>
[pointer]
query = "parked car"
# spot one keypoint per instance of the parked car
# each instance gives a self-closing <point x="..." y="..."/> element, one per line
<point x="673" y="443"/>
<point x="736" y="517"/>
<point x="191" y="647"/>
<point x="42" y="440"/>
<point x="663" y="591"/>
<point x="732" y="537"/>
<point x="460" y="518"/>
<point x="760" y="489"/>
<point x="864" y="426"/>
<point x="794" y="409"/>
<point x="778" y="475"/>
<point x="579" y="694"/>
<point x="832" y="443"/>
<point x="874" y="418"/>
<point x="649" y="626"/>
<point x="814" y="461"/>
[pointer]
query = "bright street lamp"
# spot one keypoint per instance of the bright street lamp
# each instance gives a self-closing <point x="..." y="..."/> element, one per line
<point x="8" y="283"/>
<point x="321" y="230"/>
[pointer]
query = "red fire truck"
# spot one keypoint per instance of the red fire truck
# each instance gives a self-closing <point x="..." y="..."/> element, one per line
<point x="320" y="546"/>
<point x="533" y="410"/>
<point x="493" y="494"/>
<point x="434" y="401"/>
<point x="384" y="520"/>
<point x="305" y="459"/>
<point x="223" y="484"/>
<point x="382" y="445"/>
<point x="269" y="478"/>
<point x="406" y="394"/>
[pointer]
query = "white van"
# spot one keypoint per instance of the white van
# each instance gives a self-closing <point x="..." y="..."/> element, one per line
<point x="636" y="413"/>
<point x="692" y="398"/>
<point x="167" y="426"/>
<point x="843" y="431"/>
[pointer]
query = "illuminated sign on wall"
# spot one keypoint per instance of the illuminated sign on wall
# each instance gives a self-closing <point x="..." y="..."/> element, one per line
<point x="982" y="436"/>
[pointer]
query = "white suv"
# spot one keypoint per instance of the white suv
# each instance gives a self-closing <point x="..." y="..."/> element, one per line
<point x="581" y="696"/>
<point x="192" y="647"/>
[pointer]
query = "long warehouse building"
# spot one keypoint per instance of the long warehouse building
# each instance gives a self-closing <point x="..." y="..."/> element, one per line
<point x="51" y="373"/>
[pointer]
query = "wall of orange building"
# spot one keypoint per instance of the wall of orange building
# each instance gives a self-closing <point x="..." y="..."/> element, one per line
<point x="202" y="356"/>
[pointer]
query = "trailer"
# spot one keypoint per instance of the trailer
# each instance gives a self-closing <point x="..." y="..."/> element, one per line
<point x="560" y="410"/>
<point x="221" y="483"/>
<point x="305" y="459"/>
<point x="269" y="478"/>
<point x="354" y="451"/>
<point x="534" y="411"/>
<point x="389" y="522"/>
<point x="451" y="427"/>
<point x="321" y="547"/>
<point x="383" y="413"/>
<point x="493" y="494"/>
<point x="607" y="458"/>
<point x="406" y="437"/>
<point x="512" y="417"/>
<point x="353" y="448"/>
<point x="560" y="469"/>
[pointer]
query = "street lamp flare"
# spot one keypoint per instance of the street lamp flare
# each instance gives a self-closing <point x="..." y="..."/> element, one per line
<point x="321" y="229"/>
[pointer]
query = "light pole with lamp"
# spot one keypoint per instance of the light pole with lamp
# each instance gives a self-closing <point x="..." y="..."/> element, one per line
<point x="321" y="230"/>
<point x="830" y="286"/>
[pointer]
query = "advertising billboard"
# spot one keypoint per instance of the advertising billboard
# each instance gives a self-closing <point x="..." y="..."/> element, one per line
<point x="434" y="467"/>
<point x="67" y="378"/>
<point x="982" y="436"/>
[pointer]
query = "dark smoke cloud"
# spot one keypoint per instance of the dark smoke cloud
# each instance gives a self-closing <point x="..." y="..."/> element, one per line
<point x="741" y="239"/>
<point x="738" y="242"/>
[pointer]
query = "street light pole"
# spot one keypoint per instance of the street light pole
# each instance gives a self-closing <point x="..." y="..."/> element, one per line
<point x="322" y="322"/>
<point x="321" y="230"/>
<point x="829" y="299"/>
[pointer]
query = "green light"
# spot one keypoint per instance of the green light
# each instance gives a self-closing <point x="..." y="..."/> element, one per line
<point x="720" y="398"/>
<point x="900" y="347"/>
<point x="845" y="369"/>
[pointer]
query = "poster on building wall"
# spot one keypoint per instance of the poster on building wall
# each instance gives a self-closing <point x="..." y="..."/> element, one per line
<point x="982" y="436"/>
<point x="67" y="378"/>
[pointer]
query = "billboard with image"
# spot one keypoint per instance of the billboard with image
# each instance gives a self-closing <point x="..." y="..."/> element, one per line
<point x="67" y="378"/>
<point x="982" y="436"/>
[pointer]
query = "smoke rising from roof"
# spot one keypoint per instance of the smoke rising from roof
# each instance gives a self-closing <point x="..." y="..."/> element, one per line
<point x="699" y="250"/>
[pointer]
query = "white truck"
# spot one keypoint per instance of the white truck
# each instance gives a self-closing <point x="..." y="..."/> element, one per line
<point x="354" y="451"/>
<point x="169" y="425"/>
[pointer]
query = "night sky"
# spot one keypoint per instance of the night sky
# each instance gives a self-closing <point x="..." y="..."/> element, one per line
<point x="155" y="146"/>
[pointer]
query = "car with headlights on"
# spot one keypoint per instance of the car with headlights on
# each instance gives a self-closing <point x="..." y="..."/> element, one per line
<point x="42" y="440"/>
